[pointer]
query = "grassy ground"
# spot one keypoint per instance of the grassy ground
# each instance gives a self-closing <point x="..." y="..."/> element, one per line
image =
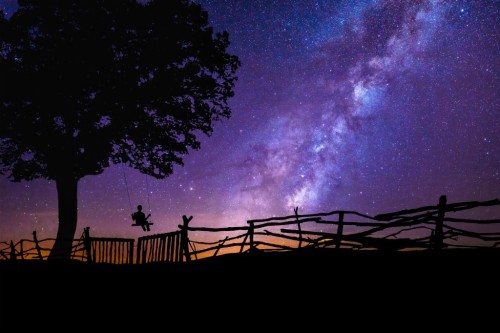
<point x="308" y="291"/>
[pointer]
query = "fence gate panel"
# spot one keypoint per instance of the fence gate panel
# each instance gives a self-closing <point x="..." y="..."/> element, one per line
<point x="159" y="248"/>
<point x="110" y="250"/>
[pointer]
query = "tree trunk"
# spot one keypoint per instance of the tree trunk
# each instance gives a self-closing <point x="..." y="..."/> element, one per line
<point x="67" y="202"/>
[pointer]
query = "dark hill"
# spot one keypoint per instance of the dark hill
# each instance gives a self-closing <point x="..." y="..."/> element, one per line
<point x="308" y="291"/>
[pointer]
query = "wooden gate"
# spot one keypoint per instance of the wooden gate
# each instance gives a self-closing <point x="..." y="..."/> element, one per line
<point x="110" y="250"/>
<point x="160" y="248"/>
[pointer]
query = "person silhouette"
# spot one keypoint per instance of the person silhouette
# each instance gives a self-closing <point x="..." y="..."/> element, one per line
<point x="141" y="219"/>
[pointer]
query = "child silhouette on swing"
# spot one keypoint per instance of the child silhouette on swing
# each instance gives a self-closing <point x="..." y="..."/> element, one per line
<point x="141" y="219"/>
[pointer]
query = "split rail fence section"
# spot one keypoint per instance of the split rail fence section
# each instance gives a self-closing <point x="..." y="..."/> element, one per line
<point x="425" y="228"/>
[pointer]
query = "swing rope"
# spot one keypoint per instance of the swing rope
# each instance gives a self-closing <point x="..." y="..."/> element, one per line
<point x="147" y="189"/>
<point x="128" y="193"/>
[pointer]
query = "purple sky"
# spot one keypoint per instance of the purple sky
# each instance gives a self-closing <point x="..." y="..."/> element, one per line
<point x="371" y="106"/>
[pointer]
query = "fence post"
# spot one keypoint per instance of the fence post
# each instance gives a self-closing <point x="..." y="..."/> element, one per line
<point x="296" y="211"/>
<point x="21" y="246"/>
<point x="12" y="251"/>
<point x="250" y="233"/>
<point x="438" y="234"/>
<point x="184" y="237"/>
<point x="340" y="230"/>
<point x="37" y="246"/>
<point x="87" y="243"/>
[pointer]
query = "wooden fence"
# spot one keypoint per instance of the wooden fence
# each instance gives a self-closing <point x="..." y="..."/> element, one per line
<point x="34" y="249"/>
<point x="424" y="228"/>
<point x="153" y="248"/>
<point x="169" y="247"/>
<point x="108" y="250"/>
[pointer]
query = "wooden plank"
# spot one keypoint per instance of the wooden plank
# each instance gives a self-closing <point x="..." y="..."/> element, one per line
<point x="219" y="247"/>
<point x="438" y="231"/>
<point x="385" y="244"/>
<point x="151" y="250"/>
<point x="139" y="249"/>
<point x="213" y="248"/>
<point x="158" y="249"/>
<point x="163" y="242"/>
<point x="356" y="224"/>
<point x="273" y="245"/>
<point x="111" y="252"/>
<point x="149" y="242"/>
<point x="124" y="254"/>
<point x="178" y="250"/>
<point x="120" y="252"/>
<point x="451" y="219"/>
<point x="161" y="247"/>
<point x="109" y="246"/>
<point x="449" y="208"/>
<point x="340" y="230"/>
<point x="170" y="242"/>
<point x="104" y="251"/>
<point x="250" y="236"/>
<point x="218" y="241"/>
<point x="243" y="243"/>
<point x="309" y="216"/>
<point x="97" y="251"/>
<point x="173" y="247"/>
<point x="145" y="245"/>
<point x="145" y="249"/>
<point x="273" y="234"/>
<point x="205" y="229"/>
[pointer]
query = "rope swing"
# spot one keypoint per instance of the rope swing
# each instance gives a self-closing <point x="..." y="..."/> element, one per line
<point x="139" y="217"/>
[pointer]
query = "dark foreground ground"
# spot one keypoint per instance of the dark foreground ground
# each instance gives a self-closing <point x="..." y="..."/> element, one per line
<point x="317" y="291"/>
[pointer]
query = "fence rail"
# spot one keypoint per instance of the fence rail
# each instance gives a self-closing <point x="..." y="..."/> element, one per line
<point x="424" y="228"/>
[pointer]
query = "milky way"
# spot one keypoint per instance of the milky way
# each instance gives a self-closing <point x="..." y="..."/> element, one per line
<point x="371" y="106"/>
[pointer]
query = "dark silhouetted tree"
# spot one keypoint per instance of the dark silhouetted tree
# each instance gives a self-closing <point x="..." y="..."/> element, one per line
<point x="85" y="84"/>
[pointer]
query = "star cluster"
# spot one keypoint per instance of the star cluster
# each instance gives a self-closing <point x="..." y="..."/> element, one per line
<point x="371" y="106"/>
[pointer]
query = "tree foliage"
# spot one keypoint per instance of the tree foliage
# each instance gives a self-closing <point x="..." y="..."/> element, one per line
<point x="89" y="83"/>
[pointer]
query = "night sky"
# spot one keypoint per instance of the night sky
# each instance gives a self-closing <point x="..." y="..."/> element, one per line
<point x="371" y="106"/>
